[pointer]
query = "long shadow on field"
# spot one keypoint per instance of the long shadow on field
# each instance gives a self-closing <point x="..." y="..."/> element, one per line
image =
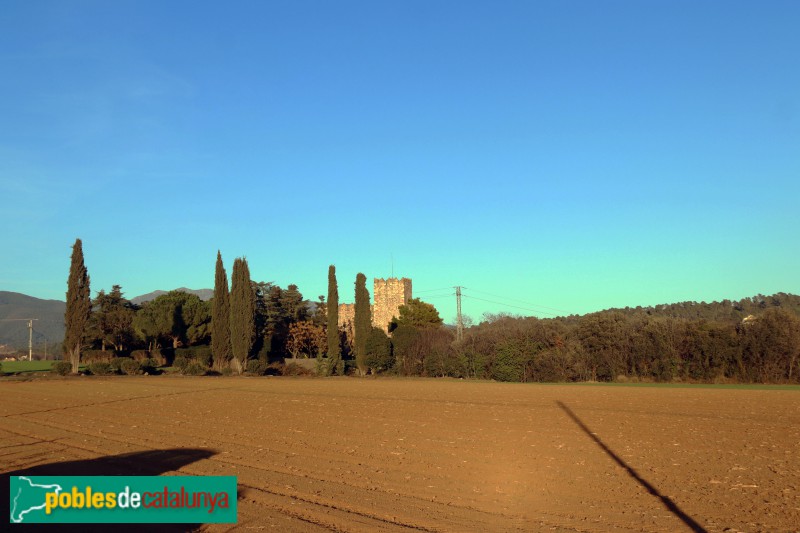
<point x="668" y="503"/>
<point x="148" y="463"/>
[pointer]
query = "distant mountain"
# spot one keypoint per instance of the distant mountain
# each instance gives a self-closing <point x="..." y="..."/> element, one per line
<point x="204" y="294"/>
<point x="49" y="327"/>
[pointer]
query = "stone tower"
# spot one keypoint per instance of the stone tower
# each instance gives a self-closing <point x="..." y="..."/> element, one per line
<point x="387" y="296"/>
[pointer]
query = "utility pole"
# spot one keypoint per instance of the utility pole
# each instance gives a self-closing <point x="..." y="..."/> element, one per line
<point x="30" y="333"/>
<point x="459" y="320"/>
<point x="30" y="340"/>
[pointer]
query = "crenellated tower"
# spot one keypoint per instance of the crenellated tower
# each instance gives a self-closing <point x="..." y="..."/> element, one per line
<point x="387" y="296"/>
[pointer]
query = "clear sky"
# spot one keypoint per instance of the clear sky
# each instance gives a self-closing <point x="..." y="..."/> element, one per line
<point x="576" y="155"/>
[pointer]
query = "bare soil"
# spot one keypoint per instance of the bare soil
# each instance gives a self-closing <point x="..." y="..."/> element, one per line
<point x="346" y="454"/>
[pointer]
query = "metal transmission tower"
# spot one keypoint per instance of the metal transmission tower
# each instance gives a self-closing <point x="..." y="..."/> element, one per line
<point x="30" y="333"/>
<point x="459" y="320"/>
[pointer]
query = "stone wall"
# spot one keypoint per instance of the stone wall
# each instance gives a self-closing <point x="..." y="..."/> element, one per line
<point x="388" y="295"/>
<point x="347" y="319"/>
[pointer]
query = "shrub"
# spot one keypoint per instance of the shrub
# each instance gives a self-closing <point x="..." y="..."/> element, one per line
<point x="156" y="357"/>
<point x="256" y="367"/>
<point x="293" y="369"/>
<point x="160" y="357"/>
<point x="323" y="367"/>
<point x="227" y="371"/>
<point x="149" y="366"/>
<point x="507" y="364"/>
<point x="379" y="351"/>
<point x="194" y="369"/>
<point x="116" y="363"/>
<point x="62" y="368"/>
<point x="96" y="356"/>
<point x="444" y="363"/>
<point x="100" y="368"/>
<point x="140" y="355"/>
<point x="204" y="359"/>
<point x="181" y="363"/>
<point x="130" y="367"/>
<point x="201" y="354"/>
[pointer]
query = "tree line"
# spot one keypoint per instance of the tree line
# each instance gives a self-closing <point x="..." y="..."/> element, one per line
<point x="253" y="325"/>
<point x="249" y="321"/>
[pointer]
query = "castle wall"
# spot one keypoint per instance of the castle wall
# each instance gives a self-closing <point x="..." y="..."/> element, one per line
<point x="388" y="295"/>
<point x="347" y="319"/>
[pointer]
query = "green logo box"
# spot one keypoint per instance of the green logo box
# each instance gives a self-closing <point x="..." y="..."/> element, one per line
<point x="123" y="499"/>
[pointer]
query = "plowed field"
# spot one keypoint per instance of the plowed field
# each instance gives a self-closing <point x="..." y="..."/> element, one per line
<point x="346" y="454"/>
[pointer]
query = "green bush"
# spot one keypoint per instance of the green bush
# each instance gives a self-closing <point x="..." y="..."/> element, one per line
<point x="508" y="363"/>
<point x="161" y="357"/>
<point x="227" y="370"/>
<point x="96" y="356"/>
<point x="130" y="367"/>
<point x="441" y="363"/>
<point x="100" y="368"/>
<point x="194" y="369"/>
<point x="201" y="354"/>
<point x="204" y="359"/>
<point x="379" y="351"/>
<point x="323" y="367"/>
<point x="181" y="362"/>
<point x="116" y="364"/>
<point x="62" y="368"/>
<point x="140" y="355"/>
<point x="149" y="366"/>
<point x="256" y="367"/>
<point x="154" y="359"/>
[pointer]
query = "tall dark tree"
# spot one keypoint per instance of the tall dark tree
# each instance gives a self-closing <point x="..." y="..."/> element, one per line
<point x="111" y="320"/>
<point x="318" y="312"/>
<point x="292" y="301"/>
<point x="363" y="323"/>
<point x="79" y="306"/>
<point x="276" y="310"/>
<point x="221" y="317"/>
<point x="334" y="348"/>
<point x="243" y="314"/>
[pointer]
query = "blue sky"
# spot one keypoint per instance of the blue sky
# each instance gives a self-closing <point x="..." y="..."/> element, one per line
<point x="568" y="155"/>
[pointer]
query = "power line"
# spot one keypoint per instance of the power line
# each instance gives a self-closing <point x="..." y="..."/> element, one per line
<point x="519" y="301"/>
<point x="508" y="305"/>
<point x="433" y="290"/>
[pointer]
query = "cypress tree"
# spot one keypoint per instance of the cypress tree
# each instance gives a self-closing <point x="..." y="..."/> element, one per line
<point x="363" y="323"/>
<point x="221" y="317"/>
<point x="334" y="348"/>
<point x="243" y="314"/>
<point x="79" y="306"/>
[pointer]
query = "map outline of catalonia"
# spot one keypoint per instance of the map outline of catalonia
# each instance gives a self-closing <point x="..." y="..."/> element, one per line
<point x="21" y="514"/>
